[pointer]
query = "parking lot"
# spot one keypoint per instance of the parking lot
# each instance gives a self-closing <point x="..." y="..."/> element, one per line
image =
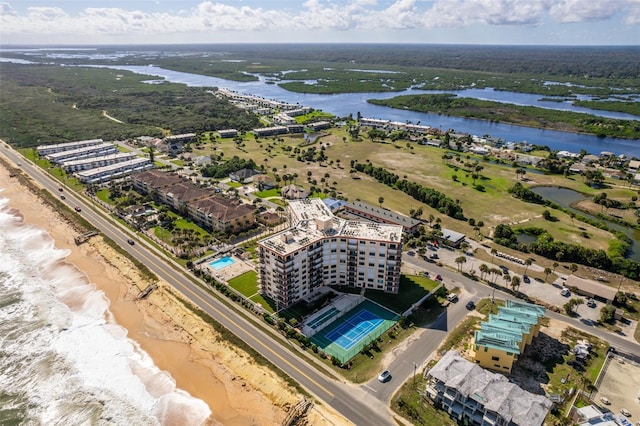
<point x="621" y="386"/>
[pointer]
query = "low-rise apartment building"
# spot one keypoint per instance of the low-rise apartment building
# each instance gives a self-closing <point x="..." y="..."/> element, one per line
<point x="320" y="249"/>
<point x="114" y="171"/>
<point x="202" y="205"/>
<point x="474" y="396"/>
<point x="505" y="335"/>
<point x="92" y="163"/>
<point x="89" y="151"/>
<point x="67" y="146"/>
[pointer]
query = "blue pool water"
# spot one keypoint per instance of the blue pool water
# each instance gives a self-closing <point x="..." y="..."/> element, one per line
<point x="223" y="262"/>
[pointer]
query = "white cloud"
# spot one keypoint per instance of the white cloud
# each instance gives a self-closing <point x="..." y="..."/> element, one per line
<point x="309" y="18"/>
<point x="7" y="10"/>
<point x="461" y="13"/>
<point x="588" y="10"/>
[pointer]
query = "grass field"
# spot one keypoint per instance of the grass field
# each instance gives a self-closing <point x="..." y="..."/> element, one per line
<point x="246" y="284"/>
<point x="412" y="289"/>
<point x="422" y="164"/>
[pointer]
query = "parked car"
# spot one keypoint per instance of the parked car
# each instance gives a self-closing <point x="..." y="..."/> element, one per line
<point x="526" y="279"/>
<point x="625" y="412"/>
<point x="438" y="277"/>
<point x="591" y="303"/>
<point x="470" y="305"/>
<point x="565" y="292"/>
<point x="385" y="376"/>
<point x="433" y="256"/>
<point x="411" y="253"/>
<point x="605" y="401"/>
<point x="452" y="297"/>
<point x="77" y="208"/>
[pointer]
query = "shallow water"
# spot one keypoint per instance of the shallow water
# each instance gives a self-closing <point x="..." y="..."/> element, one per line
<point x="63" y="360"/>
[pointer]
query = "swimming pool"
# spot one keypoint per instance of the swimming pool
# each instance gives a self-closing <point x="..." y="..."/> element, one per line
<point x="223" y="262"/>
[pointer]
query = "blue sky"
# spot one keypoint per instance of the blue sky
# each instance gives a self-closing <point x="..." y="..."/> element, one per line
<point x="532" y="22"/>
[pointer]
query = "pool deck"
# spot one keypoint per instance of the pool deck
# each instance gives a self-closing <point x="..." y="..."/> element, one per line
<point x="226" y="273"/>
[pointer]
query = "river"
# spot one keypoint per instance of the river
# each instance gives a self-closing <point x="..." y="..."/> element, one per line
<point x="344" y="104"/>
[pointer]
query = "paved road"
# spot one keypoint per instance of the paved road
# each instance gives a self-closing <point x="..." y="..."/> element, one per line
<point x="353" y="403"/>
<point x="361" y="404"/>
<point x="414" y="357"/>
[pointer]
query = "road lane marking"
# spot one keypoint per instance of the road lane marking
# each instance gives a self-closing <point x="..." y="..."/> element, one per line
<point x="206" y="302"/>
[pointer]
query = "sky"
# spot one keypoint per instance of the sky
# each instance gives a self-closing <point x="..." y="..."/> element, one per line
<point x="497" y="22"/>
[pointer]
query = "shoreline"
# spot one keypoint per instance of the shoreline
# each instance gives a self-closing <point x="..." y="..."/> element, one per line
<point x="236" y="389"/>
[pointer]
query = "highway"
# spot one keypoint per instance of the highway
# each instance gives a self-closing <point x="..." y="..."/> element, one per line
<point x="350" y="401"/>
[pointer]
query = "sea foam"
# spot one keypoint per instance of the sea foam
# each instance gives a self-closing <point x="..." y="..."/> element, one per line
<point x="64" y="361"/>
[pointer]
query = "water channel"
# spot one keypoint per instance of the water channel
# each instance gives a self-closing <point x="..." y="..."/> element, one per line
<point x="344" y="104"/>
<point x="565" y="197"/>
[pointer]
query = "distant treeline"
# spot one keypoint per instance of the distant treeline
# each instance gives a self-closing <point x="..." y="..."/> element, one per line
<point x="595" y="61"/>
<point x="51" y="104"/>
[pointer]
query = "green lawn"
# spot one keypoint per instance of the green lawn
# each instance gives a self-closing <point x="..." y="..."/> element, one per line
<point x="412" y="289"/>
<point x="246" y="284"/>
<point x="233" y="184"/>
<point x="273" y="192"/>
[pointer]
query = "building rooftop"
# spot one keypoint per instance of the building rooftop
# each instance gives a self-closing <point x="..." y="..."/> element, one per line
<point x="502" y="340"/>
<point x="120" y="155"/>
<point x="383" y="214"/>
<point x="69" y="145"/>
<point x="492" y="390"/>
<point x="312" y="220"/>
<point x="130" y="164"/>
<point x="90" y="148"/>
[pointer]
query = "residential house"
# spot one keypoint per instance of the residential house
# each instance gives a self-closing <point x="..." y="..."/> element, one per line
<point x="243" y="175"/>
<point x="294" y="192"/>
<point x="263" y="182"/>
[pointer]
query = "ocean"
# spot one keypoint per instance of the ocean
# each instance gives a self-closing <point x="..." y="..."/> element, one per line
<point x="63" y="359"/>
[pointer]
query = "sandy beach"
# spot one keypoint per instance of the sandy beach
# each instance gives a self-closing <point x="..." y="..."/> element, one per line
<point x="237" y="390"/>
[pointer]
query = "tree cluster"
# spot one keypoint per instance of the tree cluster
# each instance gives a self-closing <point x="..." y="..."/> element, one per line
<point x="219" y="171"/>
<point x="429" y="196"/>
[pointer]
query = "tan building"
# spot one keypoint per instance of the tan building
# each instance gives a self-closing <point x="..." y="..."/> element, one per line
<point x="320" y="249"/>
<point x="203" y="206"/>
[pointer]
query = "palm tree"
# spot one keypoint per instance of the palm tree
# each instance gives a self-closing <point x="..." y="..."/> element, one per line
<point x="515" y="282"/>
<point x="483" y="270"/>
<point x="573" y="267"/>
<point x="380" y="201"/>
<point x="547" y="271"/>
<point x="506" y="277"/>
<point x="527" y="263"/>
<point x="493" y="253"/>
<point x="555" y="265"/>
<point x="460" y="260"/>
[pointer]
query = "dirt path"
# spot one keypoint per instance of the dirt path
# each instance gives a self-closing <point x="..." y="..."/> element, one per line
<point x="104" y="113"/>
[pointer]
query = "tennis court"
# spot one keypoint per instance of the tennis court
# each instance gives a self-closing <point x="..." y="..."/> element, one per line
<point x="354" y="329"/>
<point x="357" y="328"/>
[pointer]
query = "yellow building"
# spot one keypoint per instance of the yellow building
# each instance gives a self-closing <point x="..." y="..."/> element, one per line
<point x="505" y="335"/>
